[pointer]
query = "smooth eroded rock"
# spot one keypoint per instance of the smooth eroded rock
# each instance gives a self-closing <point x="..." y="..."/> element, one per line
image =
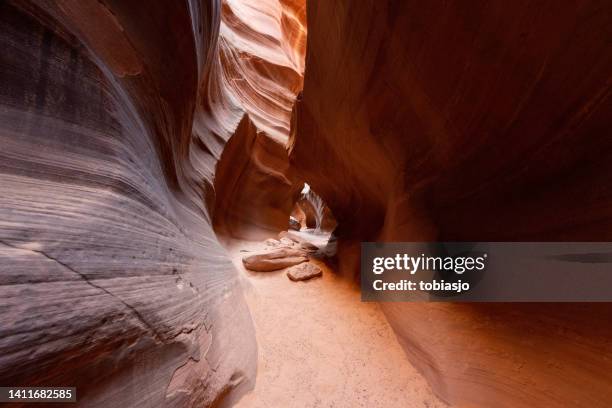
<point x="260" y="71"/>
<point x="274" y="260"/>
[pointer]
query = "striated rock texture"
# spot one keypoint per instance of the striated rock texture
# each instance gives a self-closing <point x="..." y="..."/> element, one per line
<point x="469" y="121"/>
<point x="113" y="116"/>
<point x="261" y="68"/>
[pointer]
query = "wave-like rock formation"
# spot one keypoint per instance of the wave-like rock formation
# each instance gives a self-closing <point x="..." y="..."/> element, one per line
<point x="128" y="133"/>
<point x="112" y="120"/>
<point x="469" y="121"/>
<point x="261" y="49"/>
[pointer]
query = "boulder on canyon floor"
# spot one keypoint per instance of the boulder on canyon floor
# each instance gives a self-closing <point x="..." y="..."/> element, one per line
<point x="274" y="260"/>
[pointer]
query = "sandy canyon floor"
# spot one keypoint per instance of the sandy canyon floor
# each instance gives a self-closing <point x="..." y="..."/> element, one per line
<point x="320" y="346"/>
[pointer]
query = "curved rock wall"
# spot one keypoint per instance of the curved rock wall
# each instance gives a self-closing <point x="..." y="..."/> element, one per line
<point x="261" y="67"/>
<point x="111" y="123"/>
<point x="469" y="121"/>
<point x="254" y="190"/>
<point x="445" y="121"/>
<point x="262" y="50"/>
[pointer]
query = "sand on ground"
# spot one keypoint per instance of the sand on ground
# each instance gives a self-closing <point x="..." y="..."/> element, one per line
<point x="320" y="346"/>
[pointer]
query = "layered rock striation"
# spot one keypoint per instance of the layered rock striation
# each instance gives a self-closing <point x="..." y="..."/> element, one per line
<point x="129" y="135"/>
<point x="112" y="121"/>
<point x="261" y="50"/>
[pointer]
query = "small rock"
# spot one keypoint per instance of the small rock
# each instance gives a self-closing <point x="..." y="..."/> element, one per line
<point x="304" y="272"/>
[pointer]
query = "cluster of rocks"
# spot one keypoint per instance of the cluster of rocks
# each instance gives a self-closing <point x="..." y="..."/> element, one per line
<point x="287" y="251"/>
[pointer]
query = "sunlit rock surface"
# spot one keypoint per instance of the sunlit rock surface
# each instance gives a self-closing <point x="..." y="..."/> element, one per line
<point x="261" y="50"/>
<point x="482" y="121"/>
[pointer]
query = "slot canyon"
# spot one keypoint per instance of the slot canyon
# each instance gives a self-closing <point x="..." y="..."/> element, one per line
<point x="149" y="151"/>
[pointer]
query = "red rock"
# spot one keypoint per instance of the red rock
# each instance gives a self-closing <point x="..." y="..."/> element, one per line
<point x="254" y="83"/>
<point x="253" y="187"/>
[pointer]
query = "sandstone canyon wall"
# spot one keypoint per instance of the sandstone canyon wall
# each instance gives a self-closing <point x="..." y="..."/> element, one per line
<point x="262" y="47"/>
<point x="126" y="135"/>
<point x="255" y="186"/>
<point x="469" y="121"/>
<point x="112" y="121"/>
